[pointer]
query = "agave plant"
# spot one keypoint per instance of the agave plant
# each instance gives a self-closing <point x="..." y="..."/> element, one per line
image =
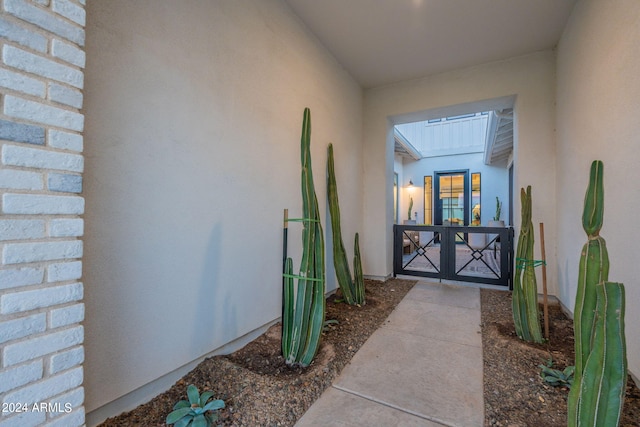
<point x="556" y="377"/>
<point x="195" y="412"/>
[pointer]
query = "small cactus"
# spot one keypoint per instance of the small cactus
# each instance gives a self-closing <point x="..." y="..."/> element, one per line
<point x="498" y="209"/>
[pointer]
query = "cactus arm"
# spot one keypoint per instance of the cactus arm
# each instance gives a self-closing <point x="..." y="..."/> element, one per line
<point x="594" y="269"/>
<point x="317" y="308"/>
<point x="530" y="287"/>
<point x="593" y="213"/>
<point x="604" y="377"/>
<point x="517" y="282"/>
<point x="358" y="279"/>
<point x="339" y="253"/>
<point x="287" y="314"/>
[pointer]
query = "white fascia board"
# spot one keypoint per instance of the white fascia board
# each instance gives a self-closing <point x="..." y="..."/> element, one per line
<point x="400" y="139"/>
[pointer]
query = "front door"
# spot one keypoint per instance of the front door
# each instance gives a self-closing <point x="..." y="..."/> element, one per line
<point x="452" y="195"/>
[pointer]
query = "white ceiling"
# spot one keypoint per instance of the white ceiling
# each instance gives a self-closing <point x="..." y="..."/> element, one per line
<point x="386" y="41"/>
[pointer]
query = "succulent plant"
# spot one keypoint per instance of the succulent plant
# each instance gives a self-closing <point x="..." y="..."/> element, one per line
<point x="556" y="377"/>
<point x="198" y="411"/>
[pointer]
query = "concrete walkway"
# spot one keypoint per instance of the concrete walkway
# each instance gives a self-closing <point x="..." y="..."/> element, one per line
<point x="423" y="367"/>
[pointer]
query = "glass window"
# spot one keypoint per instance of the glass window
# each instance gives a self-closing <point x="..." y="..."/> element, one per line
<point x="475" y="199"/>
<point x="428" y="200"/>
<point x="396" y="200"/>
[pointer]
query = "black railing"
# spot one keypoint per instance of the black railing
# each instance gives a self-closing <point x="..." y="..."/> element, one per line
<point x="470" y="254"/>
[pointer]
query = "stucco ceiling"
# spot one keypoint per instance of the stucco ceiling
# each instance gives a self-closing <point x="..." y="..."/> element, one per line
<point x="386" y="41"/>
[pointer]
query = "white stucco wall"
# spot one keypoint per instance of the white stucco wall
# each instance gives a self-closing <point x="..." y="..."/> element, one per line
<point x="598" y="88"/>
<point x="193" y="118"/>
<point x="530" y="79"/>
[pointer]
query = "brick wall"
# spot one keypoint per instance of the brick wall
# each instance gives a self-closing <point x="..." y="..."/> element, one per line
<point x="41" y="339"/>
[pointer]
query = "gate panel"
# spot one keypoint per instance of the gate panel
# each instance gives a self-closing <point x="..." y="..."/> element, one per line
<point x="472" y="254"/>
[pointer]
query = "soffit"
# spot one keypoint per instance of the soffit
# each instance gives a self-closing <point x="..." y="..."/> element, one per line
<point x="386" y="41"/>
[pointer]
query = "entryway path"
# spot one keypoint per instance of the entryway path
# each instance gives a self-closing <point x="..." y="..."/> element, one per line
<point x="423" y="367"/>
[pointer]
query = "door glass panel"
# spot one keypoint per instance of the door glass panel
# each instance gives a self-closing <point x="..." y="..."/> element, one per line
<point x="452" y="199"/>
<point x="428" y="200"/>
<point x="475" y="199"/>
<point x="396" y="200"/>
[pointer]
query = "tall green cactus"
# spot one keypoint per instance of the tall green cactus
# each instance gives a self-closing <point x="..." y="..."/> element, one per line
<point x="303" y="320"/>
<point x="525" y="289"/>
<point x="352" y="290"/>
<point x="604" y="379"/>
<point x="596" y="397"/>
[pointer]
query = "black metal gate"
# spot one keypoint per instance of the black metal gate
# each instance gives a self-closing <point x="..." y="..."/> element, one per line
<point x="470" y="254"/>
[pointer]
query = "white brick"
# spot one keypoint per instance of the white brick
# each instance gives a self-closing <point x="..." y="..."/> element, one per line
<point x="41" y="113"/>
<point x="21" y="375"/>
<point x="64" y="182"/>
<point x="21" y="277"/>
<point x="42" y="390"/>
<point x="24" y="419"/>
<point x="66" y="316"/>
<point x="73" y="419"/>
<point x="21" y="132"/>
<point x="18" y="229"/>
<point x="62" y="271"/>
<point x="22" y="327"/>
<point x="37" y="347"/>
<point x="67" y="227"/>
<point x="44" y="19"/>
<point x="70" y="10"/>
<point x="66" y="360"/>
<point x="71" y="404"/>
<point x="68" y="53"/>
<point x="19" y="253"/>
<point x="21" y="83"/>
<point x="40" y="65"/>
<point x="38" y="298"/>
<point x="19" y="34"/>
<point x="15" y="155"/>
<point x="65" y="95"/>
<point x="21" y="180"/>
<point x="69" y="401"/>
<point x="35" y="204"/>
<point x="65" y="140"/>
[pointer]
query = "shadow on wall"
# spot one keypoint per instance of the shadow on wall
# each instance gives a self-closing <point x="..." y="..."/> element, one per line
<point x="214" y="309"/>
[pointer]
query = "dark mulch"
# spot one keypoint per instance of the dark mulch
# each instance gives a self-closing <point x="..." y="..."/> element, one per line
<point x="256" y="385"/>
<point x="514" y="393"/>
<point x="260" y="390"/>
